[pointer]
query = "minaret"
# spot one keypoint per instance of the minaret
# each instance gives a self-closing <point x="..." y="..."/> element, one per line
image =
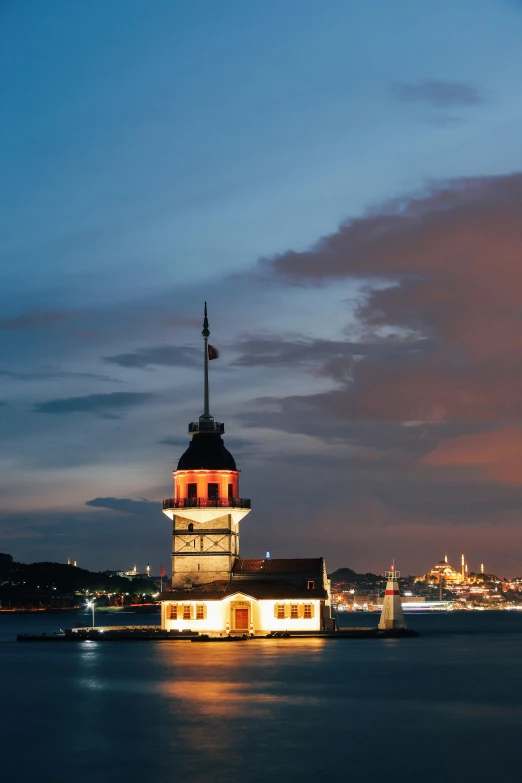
<point x="206" y="508"/>
<point x="463" y="566"/>
<point x="392" y="616"/>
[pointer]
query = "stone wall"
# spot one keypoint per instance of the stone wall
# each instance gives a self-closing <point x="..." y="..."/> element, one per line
<point x="204" y="553"/>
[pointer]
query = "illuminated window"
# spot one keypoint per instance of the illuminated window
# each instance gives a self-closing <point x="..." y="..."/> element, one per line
<point x="192" y="490"/>
<point x="294" y="611"/>
<point x="311" y="584"/>
<point x="280" y="611"/>
<point x="200" y="612"/>
<point x="213" y="491"/>
<point x="173" y="615"/>
<point x="308" y="611"/>
<point x="186" y="612"/>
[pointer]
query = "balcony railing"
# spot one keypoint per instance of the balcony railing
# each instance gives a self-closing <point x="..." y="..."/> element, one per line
<point x="206" y="503"/>
<point x="208" y="425"/>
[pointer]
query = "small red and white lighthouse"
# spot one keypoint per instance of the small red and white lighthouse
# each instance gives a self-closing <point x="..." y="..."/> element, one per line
<point x="392" y="616"/>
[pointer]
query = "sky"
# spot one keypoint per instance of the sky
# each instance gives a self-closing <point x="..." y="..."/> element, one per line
<point x="342" y="182"/>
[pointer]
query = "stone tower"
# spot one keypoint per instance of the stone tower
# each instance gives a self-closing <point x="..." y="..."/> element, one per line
<point x="206" y="508"/>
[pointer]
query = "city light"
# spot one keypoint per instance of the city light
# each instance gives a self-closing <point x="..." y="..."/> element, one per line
<point x="90" y="605"/>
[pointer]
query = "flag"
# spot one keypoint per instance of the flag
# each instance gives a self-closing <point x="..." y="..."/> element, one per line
<point x="162" y="571"/>
<point x="213" y="353"/>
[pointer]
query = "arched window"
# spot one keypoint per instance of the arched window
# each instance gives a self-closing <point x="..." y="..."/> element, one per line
<point x="190" y="527"/>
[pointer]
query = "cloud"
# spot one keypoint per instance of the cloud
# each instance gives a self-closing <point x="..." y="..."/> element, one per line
<point x="278" y="352"/>
<point x="124" y="505"/>
<point x="94" y="403"/>
<point x="166" y="355"/>
<point x="438" y="93"/>
<point x="334" y="357"/>
<point x="496" y="454"/>
<point x="51" y="374"/>
<point x="461" y="501"/>
<point x="38" y="319"/>
<point x="443" y="267"/>
<point x="326" y="417"/>
<point x="433" y="397"/>
<point x="96" y="540"/>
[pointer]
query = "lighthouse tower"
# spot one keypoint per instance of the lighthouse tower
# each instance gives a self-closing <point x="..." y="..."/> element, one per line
<point x="392" y="616"/>
<point x="206" y="508"/>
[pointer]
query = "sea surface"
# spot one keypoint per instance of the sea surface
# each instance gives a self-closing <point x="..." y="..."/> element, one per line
<point x="443" y="707"/>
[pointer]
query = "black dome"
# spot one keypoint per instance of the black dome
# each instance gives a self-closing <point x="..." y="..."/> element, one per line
<point x="206" y="451"/>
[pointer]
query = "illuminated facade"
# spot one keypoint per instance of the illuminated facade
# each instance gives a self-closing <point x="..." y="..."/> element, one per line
<point x="213" y="589"/>
<point x="442" y="572"/>
<point x="277" y="595"/>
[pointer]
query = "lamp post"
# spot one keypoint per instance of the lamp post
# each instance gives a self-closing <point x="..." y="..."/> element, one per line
<point x="90" y="605"/>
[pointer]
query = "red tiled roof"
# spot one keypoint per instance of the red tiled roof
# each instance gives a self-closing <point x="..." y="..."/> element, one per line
<point x="217" y="591"/>
<point x="304" y="566"/>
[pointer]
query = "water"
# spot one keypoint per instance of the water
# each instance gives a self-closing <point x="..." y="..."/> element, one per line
<point x="445" y="706"/>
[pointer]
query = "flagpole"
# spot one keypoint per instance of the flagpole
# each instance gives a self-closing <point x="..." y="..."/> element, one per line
<point x="206" y="334"/>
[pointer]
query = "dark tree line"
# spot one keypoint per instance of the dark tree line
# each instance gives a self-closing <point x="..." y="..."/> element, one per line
<point x="352" y="577"/>
<point x="33" y="583"/>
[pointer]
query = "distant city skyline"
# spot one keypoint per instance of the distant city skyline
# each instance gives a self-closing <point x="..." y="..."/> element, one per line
<point x="343" y="184"/>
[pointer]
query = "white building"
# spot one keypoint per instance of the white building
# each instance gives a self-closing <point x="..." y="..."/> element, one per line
<point x="279" y="595"/>
<point x="213" y="589"/>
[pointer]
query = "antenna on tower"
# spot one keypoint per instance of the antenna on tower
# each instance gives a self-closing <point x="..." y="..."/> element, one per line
<point x="206" y="421"/>
<point x="206" y="335"/>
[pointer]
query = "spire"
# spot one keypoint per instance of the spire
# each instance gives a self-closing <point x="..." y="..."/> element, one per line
<point x="206" y="422"/>
<point x="206" y="335"/>
<point x="205" y="332"/>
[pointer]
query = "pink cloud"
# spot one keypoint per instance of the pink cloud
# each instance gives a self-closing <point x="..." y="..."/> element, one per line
<point x="453" y="260"/>
<point x="496" y="454"/>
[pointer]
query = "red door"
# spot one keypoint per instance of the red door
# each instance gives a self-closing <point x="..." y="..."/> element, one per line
<point x="242" y="619"/>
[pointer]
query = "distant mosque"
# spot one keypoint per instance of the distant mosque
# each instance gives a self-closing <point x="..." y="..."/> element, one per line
<point x="214" y="590"/>
<point x="442" y="572"/>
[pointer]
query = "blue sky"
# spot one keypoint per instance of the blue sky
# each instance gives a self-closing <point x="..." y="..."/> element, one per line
<point x="156" y="155"/>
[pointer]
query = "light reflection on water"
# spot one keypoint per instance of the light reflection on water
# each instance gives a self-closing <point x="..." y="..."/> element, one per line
<point x="214" y="697"/>
<point x="307" y="710"/>
<point x="233" y="699"/>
